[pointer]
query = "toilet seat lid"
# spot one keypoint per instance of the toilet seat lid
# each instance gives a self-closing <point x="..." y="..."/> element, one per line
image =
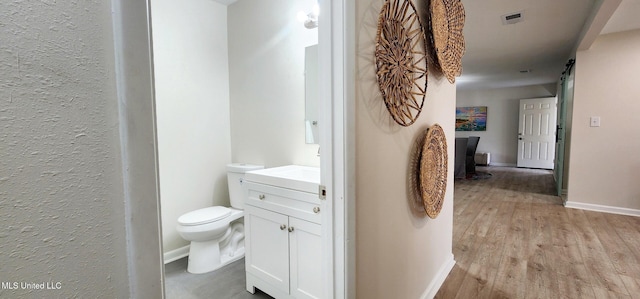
<point x="204" y="216"/>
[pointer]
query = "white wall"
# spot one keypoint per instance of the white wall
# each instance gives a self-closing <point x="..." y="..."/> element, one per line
<point x="501" y="137"/>
<point x="401" y="252"/>
<point x="192" y="104"/>
<point x="62" y="210"/>
<point x="266" y="58"/>
<point x="604" y="164"/>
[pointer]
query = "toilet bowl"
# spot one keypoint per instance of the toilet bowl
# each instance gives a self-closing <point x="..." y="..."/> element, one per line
<point x="217" y="233"/>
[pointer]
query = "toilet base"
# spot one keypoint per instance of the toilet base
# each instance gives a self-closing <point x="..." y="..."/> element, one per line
<point x="208" y="256"/>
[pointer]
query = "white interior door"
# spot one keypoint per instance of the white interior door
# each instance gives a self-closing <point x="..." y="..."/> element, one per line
<point x="536" y="133"/>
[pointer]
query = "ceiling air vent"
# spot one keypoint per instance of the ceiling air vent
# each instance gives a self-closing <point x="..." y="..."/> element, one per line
<point x="512" y="18"/>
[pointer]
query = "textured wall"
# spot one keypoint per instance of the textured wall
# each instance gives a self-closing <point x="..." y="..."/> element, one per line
<point x="61" y="206"/>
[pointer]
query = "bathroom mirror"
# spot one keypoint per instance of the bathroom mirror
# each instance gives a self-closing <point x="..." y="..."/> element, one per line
<point x="311" y="94"/>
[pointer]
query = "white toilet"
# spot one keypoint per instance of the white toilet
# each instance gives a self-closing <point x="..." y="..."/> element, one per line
<point x="217" y="233"/>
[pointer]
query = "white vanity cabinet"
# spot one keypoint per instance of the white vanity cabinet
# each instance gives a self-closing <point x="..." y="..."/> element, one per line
<point x="283" y="244"/>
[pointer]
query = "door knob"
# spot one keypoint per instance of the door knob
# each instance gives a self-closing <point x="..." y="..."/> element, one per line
<point x="291" y="229"/>
<point x="316" y="210"/>
<point x="282" y="227"/>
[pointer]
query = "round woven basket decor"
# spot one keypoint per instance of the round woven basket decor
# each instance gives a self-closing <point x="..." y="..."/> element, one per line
<point x="433" y="170"/>
<point x="401" y="60"/>
<point x="447" y="22"/>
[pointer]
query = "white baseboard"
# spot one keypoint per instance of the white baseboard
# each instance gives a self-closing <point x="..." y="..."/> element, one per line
<point x="176" y="254"/>
<point x="438" y="280"/>
<point x="601" y="208"/>
<point x="502" y="164"/>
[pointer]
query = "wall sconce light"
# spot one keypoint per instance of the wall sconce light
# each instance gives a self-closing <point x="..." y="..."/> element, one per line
<point x="310" y="20"/>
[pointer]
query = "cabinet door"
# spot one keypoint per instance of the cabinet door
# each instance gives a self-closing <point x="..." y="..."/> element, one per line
<point x="267" y="246"/>
<point x="306" y="259"/>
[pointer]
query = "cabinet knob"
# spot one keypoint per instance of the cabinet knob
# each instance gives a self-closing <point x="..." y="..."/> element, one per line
<point x="282" y="227"/>
<point x="316" y="210"/>
<point x="261" y="196"/>
<point x="291" y="229"/>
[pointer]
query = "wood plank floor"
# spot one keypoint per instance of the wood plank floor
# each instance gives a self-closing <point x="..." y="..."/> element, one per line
<point x="512" y="238"/>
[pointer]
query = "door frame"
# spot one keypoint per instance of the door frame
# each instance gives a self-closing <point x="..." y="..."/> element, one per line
<point x="134" y="84"/>
<point x="134" y="88"/>
<point x="336" y="51"/>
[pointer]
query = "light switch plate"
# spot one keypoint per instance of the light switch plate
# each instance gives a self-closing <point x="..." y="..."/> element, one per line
<point x="595" y="121"/>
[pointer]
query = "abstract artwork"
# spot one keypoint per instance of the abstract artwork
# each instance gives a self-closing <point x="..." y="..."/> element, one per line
<point x="471" y="118"/>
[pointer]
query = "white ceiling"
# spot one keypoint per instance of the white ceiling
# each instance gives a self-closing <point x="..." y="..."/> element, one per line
<point x="496" y="54"/>
<point x="624" y="18"/>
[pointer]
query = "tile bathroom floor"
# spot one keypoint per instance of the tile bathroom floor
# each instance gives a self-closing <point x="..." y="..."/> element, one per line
<point x="227" y="282"/>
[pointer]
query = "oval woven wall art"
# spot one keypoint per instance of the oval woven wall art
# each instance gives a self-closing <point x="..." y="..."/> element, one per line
<point x="447" y="22"/>
<point x="401" y="61"/>
<point x="433" y="170"/>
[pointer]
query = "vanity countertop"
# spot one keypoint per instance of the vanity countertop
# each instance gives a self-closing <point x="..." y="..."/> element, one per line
<point x="296" y="177"/>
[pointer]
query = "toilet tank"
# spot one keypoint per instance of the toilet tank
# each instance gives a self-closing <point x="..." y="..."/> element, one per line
<point x="235" y="174"/>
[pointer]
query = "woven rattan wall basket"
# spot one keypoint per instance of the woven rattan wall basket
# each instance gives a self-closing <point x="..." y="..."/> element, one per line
<point x="447" y="22"/>
<point x="401" y="60"/>
<point x="433" y="170"/>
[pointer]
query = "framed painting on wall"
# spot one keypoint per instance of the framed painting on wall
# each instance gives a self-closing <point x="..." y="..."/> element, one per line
<point x="471" y="118"/>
